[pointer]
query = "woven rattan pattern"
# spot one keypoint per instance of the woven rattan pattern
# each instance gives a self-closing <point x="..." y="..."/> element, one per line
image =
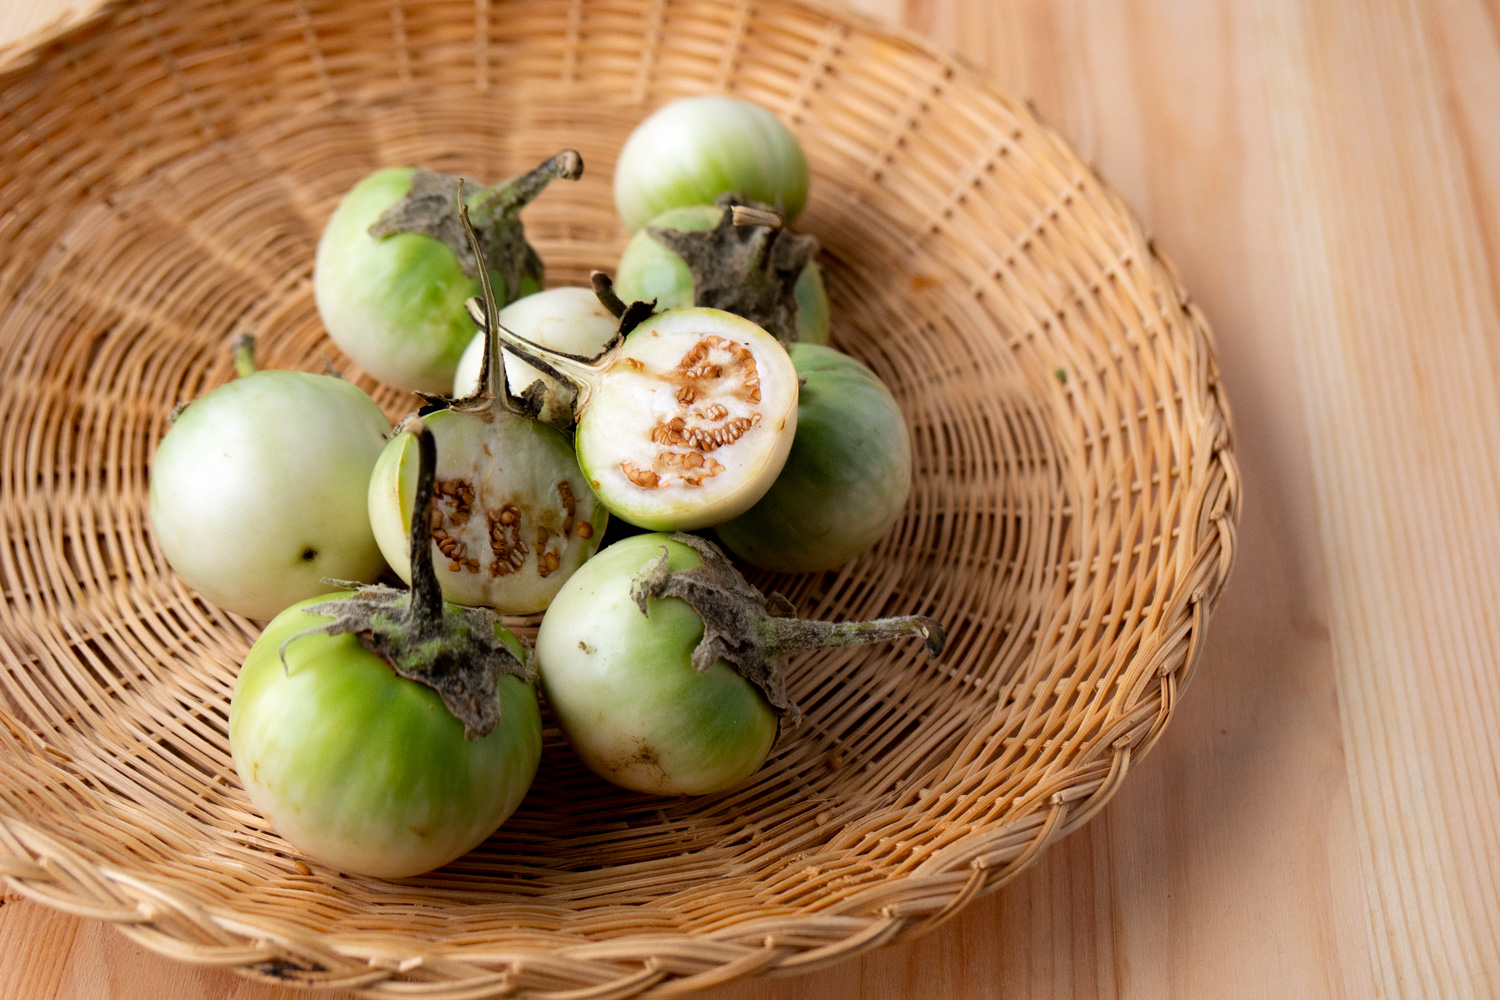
<point x="164" y="178"/>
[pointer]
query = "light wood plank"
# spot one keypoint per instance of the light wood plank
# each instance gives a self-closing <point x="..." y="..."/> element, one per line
<point x="50" y="955"/>
<point x="1322" y="819"/>
<point x="891" y="10"/>
<point x="23" y="19"/>
<point x="1394" y="353"/>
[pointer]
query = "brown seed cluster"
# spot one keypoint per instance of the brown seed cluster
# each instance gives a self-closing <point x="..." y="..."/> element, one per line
<point x="458" y="496"/>
<point x="711" y="427"/>
<point x="646" y="479"/>
<point x="570" y="505"/>
<point x="505" y="540"/>
<point x="676" y="432"/>
<point x="452" y="507"/>
<point x="508" y="528"/>
<point x="692" y="365"/>
<point x="571" y="523"/>
<point x="691" y="467"/>
<point x="695" y="365"/>
<point x="547" y="560"/>
<point x="455" y="550"/>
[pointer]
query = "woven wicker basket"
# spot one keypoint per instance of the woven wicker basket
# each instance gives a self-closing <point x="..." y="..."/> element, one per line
<point x="167" y="168"/>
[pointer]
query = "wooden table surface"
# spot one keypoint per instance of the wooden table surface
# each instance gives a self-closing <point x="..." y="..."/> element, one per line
<point x="1322" y="818"/>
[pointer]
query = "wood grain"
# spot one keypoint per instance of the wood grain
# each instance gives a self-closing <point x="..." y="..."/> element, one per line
<point x="21" y="20"/>
<point x="1322" y="818"/>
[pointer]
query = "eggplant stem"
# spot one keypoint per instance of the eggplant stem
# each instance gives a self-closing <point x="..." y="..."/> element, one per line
<point x="581" y="373"/>
<point x="794" y="635"/>
<point x="492" y="365"/>
<point x="744" y="215"/>
<point x="604" y="290"/>
<point x="584" y="375"/>
<point x="425" y="607"/>
<point x="630" y="316"/>
<point x="508" y="198"/>
<point x="244" y="355"/>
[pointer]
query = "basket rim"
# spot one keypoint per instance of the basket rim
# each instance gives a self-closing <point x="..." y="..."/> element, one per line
<point x="171" y="922"/>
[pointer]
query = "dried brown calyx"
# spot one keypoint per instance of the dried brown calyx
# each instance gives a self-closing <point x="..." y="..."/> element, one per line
<point x="756" y="633"/>
<point x="748" y="264"/>
<point x="430" y="208"/>
<point x="459" y="652"/>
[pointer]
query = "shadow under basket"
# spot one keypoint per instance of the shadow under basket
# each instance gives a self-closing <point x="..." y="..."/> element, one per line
<point x="167" y="169"/>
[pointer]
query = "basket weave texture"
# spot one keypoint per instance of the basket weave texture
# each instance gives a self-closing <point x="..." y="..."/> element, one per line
<point x="167" y="168"/>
